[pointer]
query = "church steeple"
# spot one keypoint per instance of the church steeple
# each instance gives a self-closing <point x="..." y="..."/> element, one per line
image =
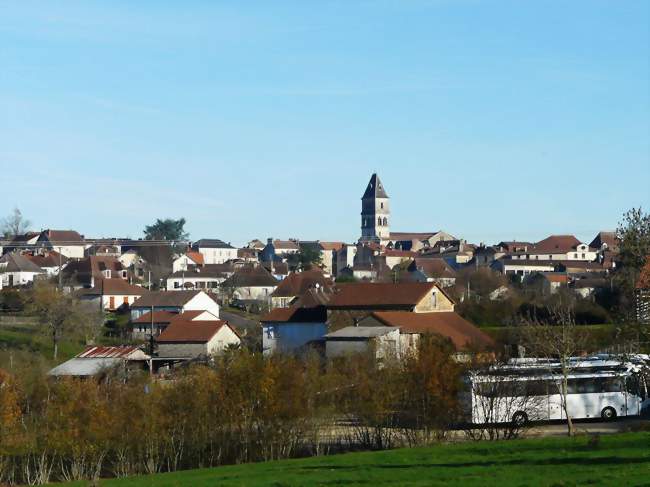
<point x="375" y="212"/>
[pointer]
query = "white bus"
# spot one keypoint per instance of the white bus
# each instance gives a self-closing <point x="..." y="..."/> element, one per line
<point x="529" y="390"/>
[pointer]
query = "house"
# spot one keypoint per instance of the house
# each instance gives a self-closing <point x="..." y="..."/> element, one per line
<point x="557" y="247"/>
<point x="486" y="255"/>
<point x="345" y="258"/>
<point x="351" y="302"/>
<point x="255" y="244"/>
<point x="17" y="270"/>
<point x="187" y="261"/>
<point x="174" y="301"/>
<point x="328" y="251"/>
<point x="66" y="242"/>
<point x="50" y="262"/>
<point x="277" y="268"/>
<point x="521" y="267"/>
<point x="586" y="287"/>
<point x="22" y="242"/>
<point x="547" y="282"/>
<point x="112" y="294"/>
<point x="97" y="361"/>
<point x="158" y="321"/>
<point x="412" y="326"/>
<point x="214" y="251"/>
<point x="208" y="277"/>
<point x="382" y="341"/>
<point x="432" y="270"/>
<point x="417" y="241"/>
<point x="248" y="254"/>
<point x="193" y="339"/>
<point x="282" y="248"/>
<point x="296" y="284"/>
<point x="292" y="328"/>
<point x="87" y="271"/>
<point x="251" y="283"/>
<point x="396" y="257"/>
<point x="605" y="241"/>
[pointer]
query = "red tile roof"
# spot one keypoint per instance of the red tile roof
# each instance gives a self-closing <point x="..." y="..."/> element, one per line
<point x="65" y="237"/>
<point x="448" y="324"/>
<point x="297" y="283"/>
<point x="196" y="257"/>
<point x="399" y="253"/>
<point x="561" y="278"/>
<point x="158" y="317"/>
<point x="331" y="245"/>
<point x="555" y="244"/>
<point x="369" y="295"/>
<point x="185" y="331"/>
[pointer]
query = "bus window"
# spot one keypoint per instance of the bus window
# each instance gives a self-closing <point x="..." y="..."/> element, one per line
<point x="612" y="384"/>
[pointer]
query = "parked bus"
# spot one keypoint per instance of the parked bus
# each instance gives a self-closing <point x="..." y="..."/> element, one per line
<point x="529" y="390"/>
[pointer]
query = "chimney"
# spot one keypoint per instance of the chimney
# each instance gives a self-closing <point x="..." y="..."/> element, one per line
<point x="269" y="241"/>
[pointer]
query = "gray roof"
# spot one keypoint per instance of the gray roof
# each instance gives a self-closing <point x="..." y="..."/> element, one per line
<point x="17" y="263"/>
<point x="211" y="243"/>
<point x="359" y="332"/>
<point x="375" y="189"/>
<point x="79" y="367"/>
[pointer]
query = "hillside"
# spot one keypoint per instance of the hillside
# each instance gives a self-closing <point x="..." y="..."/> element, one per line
<point x="610" y="460"/>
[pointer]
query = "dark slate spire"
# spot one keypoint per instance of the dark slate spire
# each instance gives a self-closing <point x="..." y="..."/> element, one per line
<point x="375" y="188"/>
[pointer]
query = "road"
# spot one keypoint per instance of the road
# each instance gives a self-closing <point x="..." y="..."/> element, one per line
<point x="237" y="320"/>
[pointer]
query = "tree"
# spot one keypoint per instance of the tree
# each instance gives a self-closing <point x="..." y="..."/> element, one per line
<point x="62" y="315"/>
<point x="557" y="338"/>
<point x="167" y="229"/>
<point x="633" y="233"/>
<point x="307" y="257"/>
<point x="14" y="224"/>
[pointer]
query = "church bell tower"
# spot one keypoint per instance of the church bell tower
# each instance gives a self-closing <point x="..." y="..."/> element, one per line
<point x="375" y="212"/>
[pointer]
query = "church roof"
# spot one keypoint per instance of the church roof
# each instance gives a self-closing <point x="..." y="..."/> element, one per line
<point x="375" y="188"/>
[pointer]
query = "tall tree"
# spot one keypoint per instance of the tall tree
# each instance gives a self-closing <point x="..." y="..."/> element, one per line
<point x="14" y="224"/>
<point x="633" y="234"/>
<point x="167" y="229"/>
<point x="557" y="338"/>
<point x="62" y="316"/>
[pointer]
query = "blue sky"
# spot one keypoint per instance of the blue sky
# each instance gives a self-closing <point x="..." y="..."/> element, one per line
<point x="491" y="120"/>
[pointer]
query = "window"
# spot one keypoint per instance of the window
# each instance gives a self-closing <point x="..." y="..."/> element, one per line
<point x="379" y="221"/>
<point x="385" y="221"/>
<point x="382" y="206"/>
<point x="583" y="256"/>
<point x="575" y="256"/>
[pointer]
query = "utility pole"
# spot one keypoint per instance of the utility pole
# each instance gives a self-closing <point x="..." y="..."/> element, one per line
<point x="60" y="273"/>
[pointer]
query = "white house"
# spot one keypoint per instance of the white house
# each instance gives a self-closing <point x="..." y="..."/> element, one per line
<point x="112" y="294"/>
<point x="174" y="301"/>
<point x="214" y="251"/>
<point x="191" y="339"/>
<point x="251" y="283"/>
<point x="67" y="242"/>
<point x="557" y="247"/>
<point x="187" y="261"/>
<point x="17" y="270"/>
<point x="521" y="267"/>
<point x="200" y="277"/>
<point x="158" y="321"/>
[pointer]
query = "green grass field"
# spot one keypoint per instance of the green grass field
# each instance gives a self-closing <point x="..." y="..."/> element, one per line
<point x="617" y="460"/>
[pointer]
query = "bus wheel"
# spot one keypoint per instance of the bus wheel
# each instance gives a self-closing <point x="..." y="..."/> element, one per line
<point x="520" y="418"/>
<point x="608" y="413"/>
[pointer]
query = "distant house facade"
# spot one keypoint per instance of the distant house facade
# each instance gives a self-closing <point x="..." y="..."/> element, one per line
<point x="67" y="242"/>
<point x="112" y="294"/>
<point x="187" y="340"/>
<point x="251" y="283"/>
<point x="17" y="270"/>
<point x="557" y="247"/>
<point x="175" y="302"/>
<point x="215" y="251"/>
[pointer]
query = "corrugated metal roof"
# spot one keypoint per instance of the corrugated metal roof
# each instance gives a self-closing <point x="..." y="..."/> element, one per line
<point x="110" y="352"/>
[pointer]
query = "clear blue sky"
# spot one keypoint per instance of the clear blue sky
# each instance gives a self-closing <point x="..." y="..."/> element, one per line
<point x="491" y="120"/>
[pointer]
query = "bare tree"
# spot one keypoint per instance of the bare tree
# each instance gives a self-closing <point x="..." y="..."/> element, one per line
<point x="556" y="338"/>
<point x="501" y="408"/>
<point x="14" y="224"/>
